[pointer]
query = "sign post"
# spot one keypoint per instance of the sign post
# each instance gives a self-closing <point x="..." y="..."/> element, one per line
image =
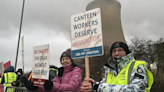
<point x="1" y="68"/>
<point x="86" y="36"/>
<point x="87" y="67"/>
<point x="40" y="64"/>
<point x="23" y="53"/>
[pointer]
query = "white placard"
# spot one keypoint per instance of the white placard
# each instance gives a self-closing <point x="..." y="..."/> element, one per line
<point x="1" y="68"/>
<point x="22" y="50"/>
<point x="86" y="34"/>
<point x="41" y="56"/>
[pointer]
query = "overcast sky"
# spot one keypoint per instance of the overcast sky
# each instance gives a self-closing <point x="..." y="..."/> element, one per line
<point x="48" y="22"/>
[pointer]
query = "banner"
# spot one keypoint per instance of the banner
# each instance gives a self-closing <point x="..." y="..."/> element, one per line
<point x="41" y="56"/>
<point x="7" y="64"/>
<point x="86" y="34"/>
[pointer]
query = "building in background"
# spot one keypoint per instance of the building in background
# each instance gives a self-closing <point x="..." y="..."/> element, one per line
<point x="111" y="30"/>
<point x="111" y="20"/>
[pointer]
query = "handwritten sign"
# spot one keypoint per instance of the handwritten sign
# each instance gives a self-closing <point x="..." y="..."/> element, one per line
<point x="41" y="56"/>
<point x="86" y="34"/>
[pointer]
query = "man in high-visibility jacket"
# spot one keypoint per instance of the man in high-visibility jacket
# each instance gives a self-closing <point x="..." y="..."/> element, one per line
<point x="9" y="76"/>
<point x="122" y="73"/>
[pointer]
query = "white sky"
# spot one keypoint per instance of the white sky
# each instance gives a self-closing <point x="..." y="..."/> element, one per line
<point x="48" y="22"/>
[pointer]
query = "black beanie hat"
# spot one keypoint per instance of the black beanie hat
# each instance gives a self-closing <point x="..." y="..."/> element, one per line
<point x="66" y="53"/>
<point x="20" y="70"/>
<point x="120" y="44"/>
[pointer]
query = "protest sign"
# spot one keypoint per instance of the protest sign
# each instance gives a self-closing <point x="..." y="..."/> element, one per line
<point x="7" y="64"/>
<point x="22" y="39"/>
<point x="1" y="68"/>
<point x="86" y="34"/>
<point x="41" y="56"/>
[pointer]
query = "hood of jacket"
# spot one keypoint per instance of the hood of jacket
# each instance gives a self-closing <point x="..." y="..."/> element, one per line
<point x="10" y="69"/>
<point x="116" y="65"/>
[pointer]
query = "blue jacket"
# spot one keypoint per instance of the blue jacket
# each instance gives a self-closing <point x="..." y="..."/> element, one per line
<point x="9" y="69"/>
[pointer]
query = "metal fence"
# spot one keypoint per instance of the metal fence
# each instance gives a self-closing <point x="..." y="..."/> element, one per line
<point x="13" y="89"/>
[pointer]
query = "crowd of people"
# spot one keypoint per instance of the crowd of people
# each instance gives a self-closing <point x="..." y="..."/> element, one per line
<point x="122" y="74"/>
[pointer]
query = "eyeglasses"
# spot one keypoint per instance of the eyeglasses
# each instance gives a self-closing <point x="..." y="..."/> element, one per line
<point x="119" y="51"/>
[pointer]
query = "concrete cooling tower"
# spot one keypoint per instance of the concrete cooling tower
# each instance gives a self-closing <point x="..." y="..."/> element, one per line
<point x="111" y="20"/>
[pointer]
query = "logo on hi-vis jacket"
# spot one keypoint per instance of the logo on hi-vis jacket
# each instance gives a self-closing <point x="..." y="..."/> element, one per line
<point x="122" y="75"/>
<point x="12" y="76"/>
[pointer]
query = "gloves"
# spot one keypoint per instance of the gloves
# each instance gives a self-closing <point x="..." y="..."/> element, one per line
<point x="95" y="86"/>
<point x="48" y="85"/>
<point x="24" y="80"/>
<point x="30" y="86"/>
<point x="15" y="83"/>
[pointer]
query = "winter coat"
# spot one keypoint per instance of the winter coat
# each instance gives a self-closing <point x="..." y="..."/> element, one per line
<point x="69" y="79"/>
<point x="18" y="83"/>
<point x="21" y="74"/>
<point x="137" y="84"/>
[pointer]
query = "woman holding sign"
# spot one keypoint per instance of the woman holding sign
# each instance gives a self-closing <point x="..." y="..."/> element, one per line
<point x="69" y="77"/>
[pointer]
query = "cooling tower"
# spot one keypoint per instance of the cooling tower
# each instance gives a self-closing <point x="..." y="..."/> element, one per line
<point x="111" y="20"/>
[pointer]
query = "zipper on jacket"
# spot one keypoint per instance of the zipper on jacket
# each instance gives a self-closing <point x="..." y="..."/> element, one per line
<point x="116" y="66"/>
<point x="60" y="79"/>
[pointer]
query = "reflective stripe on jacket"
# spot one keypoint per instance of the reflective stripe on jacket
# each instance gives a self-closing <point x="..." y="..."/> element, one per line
<point x="9" y="78"/>
<point x="123" y="78"/>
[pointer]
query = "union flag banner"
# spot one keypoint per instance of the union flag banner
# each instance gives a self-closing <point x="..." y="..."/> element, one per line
<point x="7" y="64"/>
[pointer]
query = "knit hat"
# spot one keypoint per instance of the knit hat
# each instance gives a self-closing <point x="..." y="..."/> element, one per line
<point x="120" y="44"/>
<point x="20" y="70"/>
<point x="66" y="53"/>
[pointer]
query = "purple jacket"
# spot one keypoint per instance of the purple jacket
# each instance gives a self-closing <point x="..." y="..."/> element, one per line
<point x="70" y="81"/>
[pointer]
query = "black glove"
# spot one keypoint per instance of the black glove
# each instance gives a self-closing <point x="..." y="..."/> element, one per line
<point x="95" y="86"/>
<point x="48" y="85"/>
<point x="15" y="83"/>
<point x="24" y="80"/>
<point x="30" y="86"/>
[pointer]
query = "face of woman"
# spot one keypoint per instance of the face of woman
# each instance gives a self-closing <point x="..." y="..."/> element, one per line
<point x="66" y="61"/>
<point x="18" y="73"/>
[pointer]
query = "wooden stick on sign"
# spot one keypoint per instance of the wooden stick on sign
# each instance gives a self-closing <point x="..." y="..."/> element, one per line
<point x="87" y="67"/>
